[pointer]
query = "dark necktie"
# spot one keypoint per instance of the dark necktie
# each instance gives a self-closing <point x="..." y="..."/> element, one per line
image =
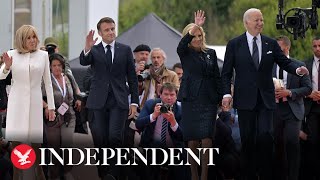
<point x="280" y="73"/>
<point x="164" y="128"/>
<point x="109" y="55"/>
<point x="255" y="52"/>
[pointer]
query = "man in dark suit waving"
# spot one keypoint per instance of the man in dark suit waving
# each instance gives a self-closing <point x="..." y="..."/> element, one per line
<point x="252" y="56"/>
<point x="114" y="78"/>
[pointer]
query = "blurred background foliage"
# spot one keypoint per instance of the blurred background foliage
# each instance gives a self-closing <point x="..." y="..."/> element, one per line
<point x="223" y="18"/>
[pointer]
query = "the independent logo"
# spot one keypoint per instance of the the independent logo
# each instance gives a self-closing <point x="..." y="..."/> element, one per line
<point x="23" y="156"/>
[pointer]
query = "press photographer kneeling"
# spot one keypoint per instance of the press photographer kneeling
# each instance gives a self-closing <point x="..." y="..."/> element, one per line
<point x="159" y="122"/>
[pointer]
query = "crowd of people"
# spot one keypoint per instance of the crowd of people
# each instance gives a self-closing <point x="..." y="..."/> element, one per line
<point x="262" y="111"/>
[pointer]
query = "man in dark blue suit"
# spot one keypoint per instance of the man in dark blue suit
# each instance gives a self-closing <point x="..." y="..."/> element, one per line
<point x="311" y="146"/>
<point x="288" y="116"/>
<point x="114" y="78"/>
<point x="161" y="129"/>
<point x="252" y="56"/>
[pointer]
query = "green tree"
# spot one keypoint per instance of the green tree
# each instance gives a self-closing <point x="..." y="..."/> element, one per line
<point x="300" y="49"/>
<point x="223" y="18"/>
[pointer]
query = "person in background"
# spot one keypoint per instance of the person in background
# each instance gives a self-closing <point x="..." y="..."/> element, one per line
<point x="177" y="68"/>
<point x="60" y="132"/>
<point x="311" y="131"/>
<point x="51" y="46"/>
<point x="288" y="116"/>
<point x="158" y="74"/>
<point x="141" y="56"/>
<point x="200" y="91"/>
<point x="29" y="67"/>
<point x="159" y="122"/>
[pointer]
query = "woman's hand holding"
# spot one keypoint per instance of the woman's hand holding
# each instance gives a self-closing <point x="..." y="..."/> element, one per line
<point x="52" y="114"/>
<point x="77" y="105"/>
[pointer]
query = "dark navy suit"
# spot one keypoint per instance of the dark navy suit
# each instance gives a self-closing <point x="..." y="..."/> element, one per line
<point x="254" y="99"/>
<point x="287" y="124"/>
<point x="147" y="141"/>
<point x="111" y="83"/>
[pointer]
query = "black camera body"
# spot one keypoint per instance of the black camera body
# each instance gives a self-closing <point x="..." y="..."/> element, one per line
<point x="165" y="108"/>
<point x="299" y="20"/>
<point x="143" y="76"/>
<point x="50" y="49"/>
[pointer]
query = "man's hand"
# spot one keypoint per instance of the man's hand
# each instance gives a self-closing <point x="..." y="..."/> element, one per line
<point x="156" y="111"/>
<point x="199" y="18"/>
<point x="303" y="135"/>
<point x="132" y="111"/>
<point x="303" y="71"/>
<point x="315" y="95"/>
<point x="140" y="67"/>
<point x="225" y="108"/>
<point x="226" y="101"/>
<point x="282" y="93"/>
<point x="90" y="41"/>
<point x="170" y="118"/>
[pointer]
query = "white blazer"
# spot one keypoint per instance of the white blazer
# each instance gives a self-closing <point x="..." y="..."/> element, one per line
<point x="25" y="108"/>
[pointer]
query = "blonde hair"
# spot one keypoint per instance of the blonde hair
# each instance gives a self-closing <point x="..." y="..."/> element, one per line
<point x="22" y="35"/>
<point x="203" y="46"/>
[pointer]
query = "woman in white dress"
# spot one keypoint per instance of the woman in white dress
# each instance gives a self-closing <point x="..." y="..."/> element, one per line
<point x="29" y="66"/>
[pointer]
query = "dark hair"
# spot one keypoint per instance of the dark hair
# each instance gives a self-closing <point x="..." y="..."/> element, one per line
<point x="169" y="86"/>
<point x="284" y="39"/>
<point x="104" y="20"/>
<point x="59" y="57"/>
<point x="142" y="47"/>
<point x="177" y="65"/>
<point x="316" y="38"/>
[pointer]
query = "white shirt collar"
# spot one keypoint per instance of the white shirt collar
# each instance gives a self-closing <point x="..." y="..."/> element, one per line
<point x="250" y="37"/>
<point x="111" y="44"/>
<point x="316" y="59"/>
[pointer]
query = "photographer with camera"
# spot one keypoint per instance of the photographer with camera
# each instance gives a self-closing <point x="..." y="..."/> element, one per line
<point x="158" y="74"/>
<point x="141" y="55"/>
<point x="51" y="46"/>
<point x="158" y="120"/>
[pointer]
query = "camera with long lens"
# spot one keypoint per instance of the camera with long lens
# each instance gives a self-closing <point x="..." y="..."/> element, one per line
<point x="143" y="76"/>
<point x="297" y="21"/>
<point x="50" y="49"/>
<point x="165" y="108"/>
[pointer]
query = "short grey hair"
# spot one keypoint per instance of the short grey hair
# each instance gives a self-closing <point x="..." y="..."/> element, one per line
<point x="161" y="51"/>
<point x="247" y="14"/>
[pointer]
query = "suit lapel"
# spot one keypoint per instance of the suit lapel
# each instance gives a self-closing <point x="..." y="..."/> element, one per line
<point x="244" y="48"/>
<point x="264" y="47"/>
<point x="309" y="64"/>
<point x="116" y="52"/>
<point x="274" y="70"/>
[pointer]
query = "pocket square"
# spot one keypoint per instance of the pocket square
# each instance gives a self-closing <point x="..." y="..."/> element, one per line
<point x="269" y="52"/>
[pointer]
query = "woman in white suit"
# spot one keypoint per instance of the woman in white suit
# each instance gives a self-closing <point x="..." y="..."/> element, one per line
<point x="29" y="66"/>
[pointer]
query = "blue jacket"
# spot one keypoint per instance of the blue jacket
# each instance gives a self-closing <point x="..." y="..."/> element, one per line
<point x="147" y="128"/>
